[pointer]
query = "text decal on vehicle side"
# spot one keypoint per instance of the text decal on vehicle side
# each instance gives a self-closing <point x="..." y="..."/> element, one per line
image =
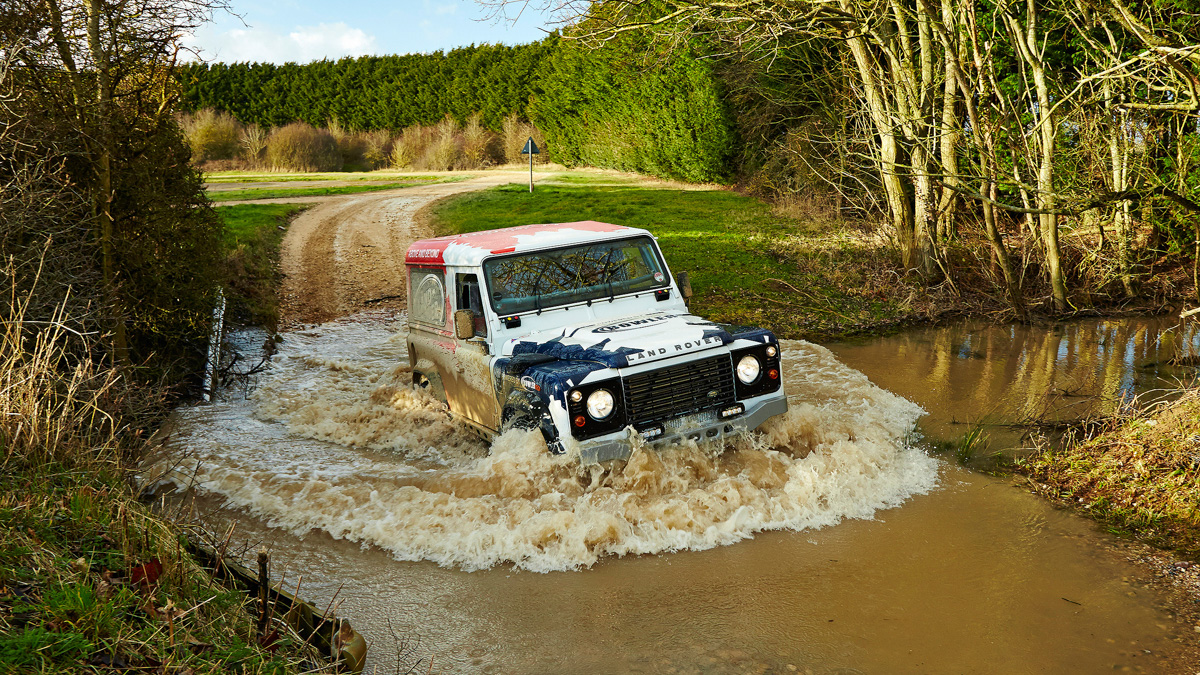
<point x="682" y="347"/>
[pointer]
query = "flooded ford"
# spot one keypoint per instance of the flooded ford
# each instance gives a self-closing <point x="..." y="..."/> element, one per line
<point x="831" y="540"/>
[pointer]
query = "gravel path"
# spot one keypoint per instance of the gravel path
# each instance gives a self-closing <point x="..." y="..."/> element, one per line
<point x="347" y="252"/>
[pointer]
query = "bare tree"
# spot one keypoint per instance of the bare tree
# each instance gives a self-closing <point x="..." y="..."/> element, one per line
<point x="919" y="68"/>
<point x="99" y="60"/>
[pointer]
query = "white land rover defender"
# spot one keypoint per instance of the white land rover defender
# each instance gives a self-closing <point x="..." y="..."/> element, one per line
<point x="579" y="330"/>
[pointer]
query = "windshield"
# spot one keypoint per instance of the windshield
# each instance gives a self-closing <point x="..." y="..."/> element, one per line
<point x="535" y="281"/>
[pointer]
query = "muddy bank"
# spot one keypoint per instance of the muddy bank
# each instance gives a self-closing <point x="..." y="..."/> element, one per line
<point x="1138" y="472"/>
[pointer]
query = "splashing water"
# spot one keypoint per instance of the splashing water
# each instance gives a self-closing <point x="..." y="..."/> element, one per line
<point x="333" y="438"/>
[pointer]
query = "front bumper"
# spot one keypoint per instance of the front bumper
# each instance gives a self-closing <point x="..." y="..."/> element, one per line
<point x="703" y="426"/>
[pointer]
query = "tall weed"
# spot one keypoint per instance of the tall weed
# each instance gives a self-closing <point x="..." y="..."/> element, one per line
<point x="57" y="406"/>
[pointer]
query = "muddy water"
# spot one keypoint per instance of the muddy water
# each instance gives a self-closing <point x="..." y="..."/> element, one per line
<point x="830" y="543"/>
<point x="999" y="381"/>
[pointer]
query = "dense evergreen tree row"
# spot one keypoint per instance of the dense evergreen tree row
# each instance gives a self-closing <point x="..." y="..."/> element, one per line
<point x="621" y="107"/>
<point x="613" y="107"/>
<point x="373" y="92"/>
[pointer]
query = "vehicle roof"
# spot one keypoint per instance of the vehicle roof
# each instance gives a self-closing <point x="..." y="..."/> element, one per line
<point x="470" y="249"/>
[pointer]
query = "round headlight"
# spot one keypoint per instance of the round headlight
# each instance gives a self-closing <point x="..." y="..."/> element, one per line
<point x="748" y="369"/>
<point x="600" y="404"/>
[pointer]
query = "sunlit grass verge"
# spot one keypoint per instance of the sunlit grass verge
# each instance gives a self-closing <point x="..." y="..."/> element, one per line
<point x="747" y="265"/>
<point x="90" y="579"/>
<point x="278" y="193"/>
<point x="225" y="177"/>
<point x="1139" y="476"/>
<point x="253" y="234"/>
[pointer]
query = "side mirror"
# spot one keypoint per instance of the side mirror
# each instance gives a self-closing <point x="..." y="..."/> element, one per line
<point x="464" y="324"/>
<point x="685" y="287"/>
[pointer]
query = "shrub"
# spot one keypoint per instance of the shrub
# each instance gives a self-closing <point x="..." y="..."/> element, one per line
<point x="445" y="152"/>
<point x="352" y="146"/>
<point x="515" y="132"/>
<point x="378" y="148"/>
<point x="254" y="142"/>
<point x="409" y="147"/>
<point x="478" y="144"/>
<point x="303" y="147"/>
<point x="211" y="134"/>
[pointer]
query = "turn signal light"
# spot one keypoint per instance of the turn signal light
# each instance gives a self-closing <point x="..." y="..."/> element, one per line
<point x="580" y="420"/>
<point x="773" y="374"/>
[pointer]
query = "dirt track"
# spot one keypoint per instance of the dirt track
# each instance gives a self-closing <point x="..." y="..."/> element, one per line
<point x="347" y="253"/>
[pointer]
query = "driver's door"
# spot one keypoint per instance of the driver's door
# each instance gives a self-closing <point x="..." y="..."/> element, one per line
<point x="470" y="390"/>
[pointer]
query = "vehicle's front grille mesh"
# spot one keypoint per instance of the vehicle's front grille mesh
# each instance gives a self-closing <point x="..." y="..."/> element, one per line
<point x="658" y="395"/>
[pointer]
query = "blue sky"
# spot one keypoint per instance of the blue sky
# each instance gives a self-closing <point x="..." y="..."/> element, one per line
<point x="287" y="30"/>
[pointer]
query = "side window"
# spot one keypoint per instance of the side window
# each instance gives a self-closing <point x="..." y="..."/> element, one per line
<point x="468" y="297"/>
<point x="427" y="297"/>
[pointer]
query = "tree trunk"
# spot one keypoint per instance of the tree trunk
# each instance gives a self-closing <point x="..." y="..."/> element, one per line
<point x="1027" y="43"/>
<point x="104" y="171"/>
<point x="889" y="171"/>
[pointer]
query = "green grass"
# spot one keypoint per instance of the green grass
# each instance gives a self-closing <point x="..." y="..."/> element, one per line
<point x="276" y="193"/>
<point x="579" y="178"/>
<point x="69" y="538"/>
<point x="747" y="265"/>
<point x="268" y="177"/>
<point x="253" y="233"/>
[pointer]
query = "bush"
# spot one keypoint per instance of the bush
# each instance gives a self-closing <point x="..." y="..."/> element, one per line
<point x="478" y="144"/>
<point x="351" y="145"/>
<point x="378" y="148"/>
<point x="445" y="152"/>
<point x="254" y="142"/>
<point x="211" y="134"/>
<point x="515" y="133"/>
<point x="409" y="147"/>
<point x="303" y="147"/>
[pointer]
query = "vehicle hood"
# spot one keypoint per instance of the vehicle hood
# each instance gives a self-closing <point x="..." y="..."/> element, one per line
<point x="628" y="341"/>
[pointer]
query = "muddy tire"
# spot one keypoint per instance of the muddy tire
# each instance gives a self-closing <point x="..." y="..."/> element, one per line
<point x="517" y="417"/>
<point x="433" y="386"/>
<point x="522" y="411"/>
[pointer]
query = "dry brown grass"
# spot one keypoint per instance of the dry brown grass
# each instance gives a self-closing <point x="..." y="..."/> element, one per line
<point x="90" y="578"/>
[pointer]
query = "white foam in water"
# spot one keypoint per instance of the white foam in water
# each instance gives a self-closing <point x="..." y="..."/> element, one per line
<point x="333" y="438"/>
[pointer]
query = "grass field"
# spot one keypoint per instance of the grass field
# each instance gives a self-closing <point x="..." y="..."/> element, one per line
<point x="277" y="192"/>
<point x="253" y="233"/>
<point x="747" y="265"/>
<point x="269" y="177"/>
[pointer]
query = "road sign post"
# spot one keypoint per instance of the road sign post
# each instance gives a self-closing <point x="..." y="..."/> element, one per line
<point x="530" y="149"/>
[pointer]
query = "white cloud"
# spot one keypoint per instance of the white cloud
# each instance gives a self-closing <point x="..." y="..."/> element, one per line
<point x="303" y="44"/>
